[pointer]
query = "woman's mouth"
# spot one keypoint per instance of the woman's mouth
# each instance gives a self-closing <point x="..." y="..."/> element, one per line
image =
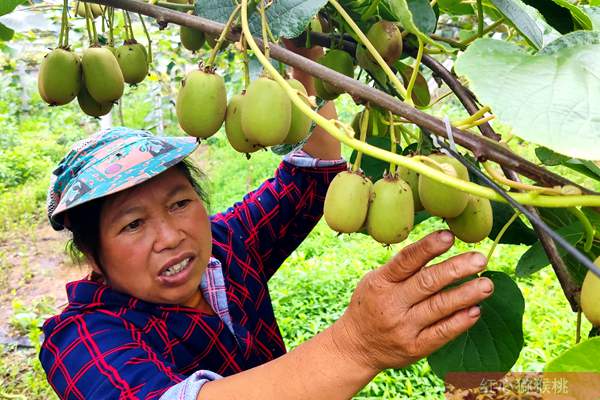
<point x="178" y="274"/>
<point x="177" y="268"/>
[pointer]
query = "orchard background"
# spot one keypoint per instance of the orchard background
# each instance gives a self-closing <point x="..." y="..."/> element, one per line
<point x="314" y="285"/>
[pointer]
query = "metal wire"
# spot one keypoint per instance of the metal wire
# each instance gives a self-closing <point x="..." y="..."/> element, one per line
<point x="535" y="220"/>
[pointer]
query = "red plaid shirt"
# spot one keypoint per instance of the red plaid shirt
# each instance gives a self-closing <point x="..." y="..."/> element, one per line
<point x="106" y="344"/>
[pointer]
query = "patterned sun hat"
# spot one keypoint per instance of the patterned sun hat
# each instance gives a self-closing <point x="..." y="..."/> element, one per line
<point x="108" y="162"/>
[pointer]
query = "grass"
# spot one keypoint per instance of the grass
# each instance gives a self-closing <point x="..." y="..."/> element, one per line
<point x="311" y="289"/>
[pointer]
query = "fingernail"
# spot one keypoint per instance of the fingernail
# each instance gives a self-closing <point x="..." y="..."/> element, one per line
<point x="446" y="236"/>
<point x="479" y="259"/>
<point x="485" y="285"/>
<point x="474" y="311"/>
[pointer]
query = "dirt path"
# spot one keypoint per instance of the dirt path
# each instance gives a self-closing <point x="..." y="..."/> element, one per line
<point x="34" y="269"/>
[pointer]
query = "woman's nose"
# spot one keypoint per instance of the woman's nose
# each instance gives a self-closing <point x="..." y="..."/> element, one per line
<point x="168" y="235"/>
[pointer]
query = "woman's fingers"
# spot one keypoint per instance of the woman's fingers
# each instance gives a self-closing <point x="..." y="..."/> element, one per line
<point x="431" y="280"/>
<point x="413" y="257"/>
<point x="446" y="303"/>
<point x="435" y="336"/>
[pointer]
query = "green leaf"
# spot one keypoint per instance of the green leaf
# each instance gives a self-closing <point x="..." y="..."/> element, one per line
<point x="528" y="21"/>
<point x="289" y="18"/>
<point x="594" y="14"/>
<point x="495" y="341"/>
<point x="5" y="32"/>
<point x="549" y="157"/>
<point x="373" y="167"/>
<point x="582" y="19"/>
<point x="400" y="11"/>
<point x="7" y="6"/>
<point x="215" y="10"/>
<point x="571" y="40"/>
<point x="550" y="100"/>
<point x="517" y="233"/>
<point x="423" y="15"/>
<point x="456" y="7"/>
<point x="582" y="357"/>
<point x="535" y="258"/>
<point x="557" y="16"/>
<point x="420" y="94"/>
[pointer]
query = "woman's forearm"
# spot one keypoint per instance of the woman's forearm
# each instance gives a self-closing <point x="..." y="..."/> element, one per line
<point x="321" y="144"/>
<point x="317" y="369"/>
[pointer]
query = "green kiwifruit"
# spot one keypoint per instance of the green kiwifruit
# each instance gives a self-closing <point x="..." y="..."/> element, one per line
<point x="391" y="214"/>
<point x="590" y="296"/>
<point x="347" y="202"/>
<point x="102" y="74"/>
<point x="412" y="178"/>
<point x="266" y="112"/>
<point x="90" y="106"/>
<point x="191" y="39"/>
<point x="233" y="127"/>
<point x="475" y="223"/>
<point x="59" y="79"/>
<point x="337" y="60"/>
<point x="387" y="40"/>
<point x="80" y="10"/>
<point x="439" y="199"/>
<point x="133" y="61"/>
<point x="300" y="123"/>
<point x="201" y="103"/>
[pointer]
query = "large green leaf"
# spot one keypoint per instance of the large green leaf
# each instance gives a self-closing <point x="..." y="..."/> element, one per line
<point x="535" y="258"/>
<point x="456" y="7"/>
<point x="571" y="40"/>
<point x="548" y="99"/>
<point x="400" y="11"/>
<point x="5" y="32"/>
<point x="7" y="6"/>
<point x="580" y="358"/>
<point x="551" y="158"/>
<point x="557" y="16"/>
<point x="528" y="21"/>
<point x="423" y="15"/>
<point x="373" y="167"/>
<point x="517" y="233"/>
<point x="495" y="341"/>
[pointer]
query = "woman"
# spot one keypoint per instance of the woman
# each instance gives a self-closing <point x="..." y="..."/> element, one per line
<point x="177" y="305"/>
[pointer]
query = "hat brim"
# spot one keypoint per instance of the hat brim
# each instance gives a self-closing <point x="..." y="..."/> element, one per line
<point x="124" y="167"/>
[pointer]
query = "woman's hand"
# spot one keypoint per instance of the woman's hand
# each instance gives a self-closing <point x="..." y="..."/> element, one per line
<point x="400" y="312"/>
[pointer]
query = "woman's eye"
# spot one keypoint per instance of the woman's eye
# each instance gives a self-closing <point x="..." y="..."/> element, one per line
<point x="133" y="225"/>
<point x="180" y="204"/>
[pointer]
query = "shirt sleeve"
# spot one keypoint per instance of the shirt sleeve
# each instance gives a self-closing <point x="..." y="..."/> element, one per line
<point x="274" y="219"/>
<point x="189" y="388"/>
<point x="91" y="356"/>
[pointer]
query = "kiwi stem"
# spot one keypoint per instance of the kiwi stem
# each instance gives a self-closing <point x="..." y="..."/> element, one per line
<point x="332" y="127"/>
<point x="176" y="6"/>
<point x="264" y="24"/>
<point x="479" y="18"/>
<point x="476" y="123"/>
<point x="365" y="41"/>
<point x="364" y="126"/>
<point x="487" y="30"/>
<point x="415" y="72"/>
<point x="474" y="117"/>
<point x="90" y="16"/>
<point x="392" y="141"/>
<point x="501" y="233"/>
<point x="222" y="36"/>
<point x="88" y="27"/>
<point x="245" y="61"/>
<point x="63" y="27"/>
<point x="111" y="24"/>
<point x="130" y="25"/>
<point x="149" y="60"/>
<point x="587" y="227"/>
<point x="518" y="185"/>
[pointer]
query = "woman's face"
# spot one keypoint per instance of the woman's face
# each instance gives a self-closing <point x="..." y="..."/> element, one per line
<point x="155" y="240"/>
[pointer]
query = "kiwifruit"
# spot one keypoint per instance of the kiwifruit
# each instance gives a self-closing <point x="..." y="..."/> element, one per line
<point x="80" y="9"/>
<point x="387" y="40"/>
<point x="475" y="223"/>
<point x="266" y="112"/>
<point x="102" y="74"/>
<point x="300" y="123"/>
<point x="59" y="78"/>
<point x="439" y="199"/>
<point x="133" y="61"/>
<point x="391" y="213"/>
<point x="233" y="127"/>
<point x="347" y="202"/>
<point x="201" y="103"/>
<point x="337" y="60"/>
<point x="90" y="106"/>
<point x="191" y="39"/>
<point x="412" y="178"/>
<point x="590" y="297"/>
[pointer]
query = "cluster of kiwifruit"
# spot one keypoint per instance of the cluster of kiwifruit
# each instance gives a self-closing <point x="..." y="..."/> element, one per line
<point x="261" y="116"/>
<point x="386" y="209"/>
<point x="96" y="77"/>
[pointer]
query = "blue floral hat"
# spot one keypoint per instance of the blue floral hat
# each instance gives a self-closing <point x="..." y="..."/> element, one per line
<point x="108" y="162"/>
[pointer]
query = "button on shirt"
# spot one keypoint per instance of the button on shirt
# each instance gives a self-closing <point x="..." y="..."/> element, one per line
<point x="109" y="345"/>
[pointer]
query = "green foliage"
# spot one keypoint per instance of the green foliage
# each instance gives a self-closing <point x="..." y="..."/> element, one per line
<point x="581" y="358"/>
